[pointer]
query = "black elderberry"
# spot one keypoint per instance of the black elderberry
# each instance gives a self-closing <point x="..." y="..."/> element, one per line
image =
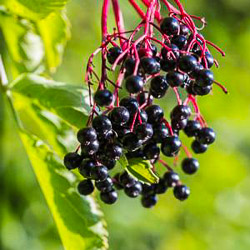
<point x="155" y="114"/>
<point x="144" y="97"/>
<point x="121" y="131"/>
<point x="116" y="182"/>
<point x="170" y="26"/>
<point x="148" y="190"/>
<point x="158" y="86"/>
<point x="153" y="49"/>
<point x="175" y="79"/>
<point x="160" y="133"/>
<point x="131" y="142"/>
<point x="113" y="151"/>
<point x="206" y="136"/>
<point x="130" y="103"/>
<point x="187" y="63"/>
<point x="143" y="115"/>
<point x="173" y="48"/>
<point x="134" y="84"/>
<point x="171" y="179"/>
<point x="178" y="124"/>
<point x="86" y="135"/>
<point x="104" y="186"/>
<point x="181" y="192"/>
<point x="168" y="64"/>
<point x="161" y="187"/>
<point x="181" y="112"/>
<point x="209" y="58"/>
<point x="102" y="124"/>
<point x="113" y="54"/>
<point x="196" y="71"/>
<point x="103" y="97"/>
<point x="72" y="160"/>
<point x="171" y="146"/>
<point x="86" y="167"/>
<point x="190" y="165"/>
<point x="144" y="131"/>
<point x="134" y="190"/>
<point x="150" y="65"/>
<point x="198" y="147"/>
<point x="184" y="30"/>
<point x="151" y="151"/>
<point x="198" y="90"/>
<point x="99" y="173"/>
<point x="90" y="148"/>
<point x="109" y="197"/>
<point x="180" y="41"/>
<point x="149" y="201"/>
<point x="106" y="136"/>
<point x="192" y="128"/>
<point x="205" y="78"/>
<point x="129" y="66"/>
<point x="119" y="116"/>
<point x="126" y="179"/>
<point x="85" y="187"/>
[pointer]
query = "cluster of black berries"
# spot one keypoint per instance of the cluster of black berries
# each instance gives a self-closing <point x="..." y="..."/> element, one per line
<point x="136" y="127"/>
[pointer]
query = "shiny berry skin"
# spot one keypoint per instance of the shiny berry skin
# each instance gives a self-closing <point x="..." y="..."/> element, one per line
<point x="143" y="116"/>
<point x="181" y="112"/>
<point x="178" y="124"/>
<point x="180" y="41"/>
<point x="103" y="97"/>
<point x="85" y="167"/>
<point x="155" y="114"/>
<point x="206" y="136"/>
<point x="104" y="186"/>
<point x="113" y="151"/>
<point x="184" y="30"/>
<point x="129" y="66"/>
<point x="102" y="124"/>
<point x="210" y="60"/>
<point x="130" y="104"/>
<point x="161" y="187"/>
<point x="196" y="71"/>
<point x="153" y="49"/>
<point x="158" y="86"/>
<point x="151" y="151"/>
<point x="109" y="163"/>
<point x="131" y="142"/>
<point x="174" y="49"/>
<point x="109" y="197"/>
<point x="175" y="79"/>
<point x="168" y="64"/>
<point x="134" y="84"/>
<point x="126" y="179"/>
<point x="90" y="148"/>
<point x="198" y="90"/>
<point x="190" y="165"/>
<point x="198" y="147"/>
<point x="170" y="26"/>
<point x="72" y="160"/>
<point x="181" y="192"/>
<point x="99" y="173"/>
<point x="171" y="179"/>
<point x="121" y="131"/>
<point x="113" y="54"/>
<point x="86" y="135"/>
<point x="148" y="190"/>
<point x="150" y="65"/>
<point x="119" y="116"/>
<point x="106" y="136"/>
<point x="192" y="128"/>
<point x="171" y="146"/>
<point x="144" y="97"/>
<point x="144" y="131"/>
<point x="149" y="201"/>
<point x="187" y="63"/>
<point x="134" y="190"/>
<point x="85" y="187"/>
<point x="160" y="133"/>
<point x="205" y="78"/>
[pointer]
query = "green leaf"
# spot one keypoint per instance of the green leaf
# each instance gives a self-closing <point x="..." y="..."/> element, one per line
<point x="33" y="9"/>
<point x="55" y="32"/>
<point x="142" y="170"/>
<point x="68" y="102"/>
<point x="78" y="219"/>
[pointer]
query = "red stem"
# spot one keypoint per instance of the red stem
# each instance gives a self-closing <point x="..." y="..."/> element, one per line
<point x="105" y="9"/>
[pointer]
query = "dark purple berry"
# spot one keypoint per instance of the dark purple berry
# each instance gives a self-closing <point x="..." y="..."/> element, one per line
<point x="170" y="26"/>
<point x="178" y="124"/>
<point x="181" y="192"/>
<point x="134" y="84"/>
<point x="104" y="186"/>
<point x="130" y="104"/>
<point x="131" y="142"/>
<point x="168" y="64"/>
<point x="134" y="190"/>
<point x="187" y="63"/>
<point x="144" y="97"/>
<point x="148" y="190"/>
<point x="103" y="97"/>
<point x="90" y="148"/>
<point x="144" y="131"/>
<point x="180" y="41"/>
<point x="151" y="151"/>
<point x="85" y="187"/>
<point x="206" y="136"/>
<point x="113" y="151"/>
<point x="129" y="66"/>
<point x="99" y="173"/>
<point x="171" y="146"/>
<point x="126" y="179"/>
<point x="72" y="160"/>
<point x="198" y="147"/>
<point x="198" y="90"/>
<point x="190" y="165"/>
<point x="149" y="201"/>
<point x="102" y="124"/>
<point x="109" y="197"/>
<point x="205" y="78"/>
<point x="150" y="65"/>
<point x="171" y="179"/>
<point x="113" y="54"/>
<point x="86" y="167"/>
<point x="175" y="79"/>
<point x="184" y="30"/>
<point x="155" y="114"/>
<point x="158" y="86"/>
<point x="192" y="128"/>
<point x="160" y="133"/>
<point x="181" y="112"/>
<point x="86" y="135"/>
<point x="119" y="116"/>
<point x="161" y="187"/>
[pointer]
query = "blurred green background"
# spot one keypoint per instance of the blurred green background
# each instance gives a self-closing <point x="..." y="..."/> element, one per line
<point x="217" y="214"/>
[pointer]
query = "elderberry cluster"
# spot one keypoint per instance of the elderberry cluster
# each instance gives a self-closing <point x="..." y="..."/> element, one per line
<point x="137" y="127"/>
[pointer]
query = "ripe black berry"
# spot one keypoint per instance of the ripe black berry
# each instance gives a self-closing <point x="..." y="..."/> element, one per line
<point x="113" y="151"/>
<point x="85" y="187"/>
<point x="198" y="90"/>
<point x="131" y="142"/>
<point x="192" y="128"/>
<point x="144" y="97"/>
<point x="72" y="160"/>
<point x="150" y="65"/>
<point x="130" y="104"/>
<point x="99" y="173"/>
<point x="181" y="112"/>
<point x="86" y="167"/>
<point x="104" y="186"/>
<point x="134" y="190"/>
<point x="144" y="131"/>
<point x="161" y="187"/>
<point x="113" y="54"/>
<point x="198" y="147"/>
<point x="178" y="124"/>
<point x="205" y="78"/>
<point x="180" y="41"/>
<point x="206" y="136"/>
<point x="187" y="63"/>
<point x="175" y="79"/>
<point x="210" y="60"/>
<point x="190" y="165"/>
<point x="102" y="124"/>
<point x="134" y="84"/>
<point x="160" y="133"/>
<point x="86" y="135"/>
<point x="149" y="201"/>
<point x="181" y="192"/>
<point x="168" y="64"/>
<point x="90" y="148"/>
<point x="155" y="114"/>
<point x="148" y="190"/>
<point x="171" y="179"/>
<point x="126" y="180"/>
<point x="170" y="26"/>
<point x="109" y="197"/>
<point x="119" y="116"/>
<point x="184" y="30"/>
<point x="151" y="151"/>
<point x="171" y="146"/>
<point x="158" y="86"/>
<point x="103" y="97"/>
<point x="129" y="66"/>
